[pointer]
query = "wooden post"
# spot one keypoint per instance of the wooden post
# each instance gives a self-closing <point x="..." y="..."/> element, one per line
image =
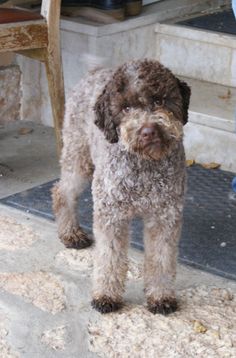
<point x="51" y="12"/>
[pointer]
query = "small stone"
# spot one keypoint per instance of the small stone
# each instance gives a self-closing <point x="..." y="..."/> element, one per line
<point x="199" y="327"/>
<point x="214" y="333"/>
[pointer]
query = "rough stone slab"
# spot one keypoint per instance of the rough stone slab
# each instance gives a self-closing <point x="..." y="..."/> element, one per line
<point x="55" y="338"/>
<point x="41" y="288"/>
<point x="202" y="328"/>
<point x="10" y="93"/>
<point x="14" y="235"/>
<point x="5" y="349"/>
<point x="83" y="261"/>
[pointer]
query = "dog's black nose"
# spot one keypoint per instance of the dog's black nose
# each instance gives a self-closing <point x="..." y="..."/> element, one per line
<point x="148" y="132"/>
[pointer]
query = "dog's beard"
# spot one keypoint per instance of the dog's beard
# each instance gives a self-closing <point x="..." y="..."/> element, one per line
<point x="151" y="151"/>
<point x="170" y="133"/>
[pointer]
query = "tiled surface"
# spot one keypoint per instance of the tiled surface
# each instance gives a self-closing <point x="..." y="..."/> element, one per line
<point x="208" y="238"/>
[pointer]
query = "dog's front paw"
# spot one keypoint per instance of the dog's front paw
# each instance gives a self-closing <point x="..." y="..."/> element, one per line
<point x="77" y="239"/>
<point x="164" y="306"/>
<point x="105" y="304"/>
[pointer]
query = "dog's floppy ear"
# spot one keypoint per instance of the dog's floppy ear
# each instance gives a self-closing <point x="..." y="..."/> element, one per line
<point x="104" y="118"/>
<point x="185" y="93"/>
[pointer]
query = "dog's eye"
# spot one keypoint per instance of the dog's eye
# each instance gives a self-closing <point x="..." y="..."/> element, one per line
<point x="126" y="109"/>
<point x="158" y="102"/>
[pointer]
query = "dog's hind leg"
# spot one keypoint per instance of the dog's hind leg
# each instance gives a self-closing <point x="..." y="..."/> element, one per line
<point x="65" y="196"/>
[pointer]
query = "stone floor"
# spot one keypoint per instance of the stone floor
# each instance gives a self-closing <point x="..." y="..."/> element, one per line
<point x="45" y="304"/>
<point x="27" y="156"/>
<point x="45" y="289"/>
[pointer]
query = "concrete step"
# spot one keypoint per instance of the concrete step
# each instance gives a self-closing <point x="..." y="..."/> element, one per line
<point x="212" y="105"/>
<point x="199" y="54"/>
<point x="210" y="135"/>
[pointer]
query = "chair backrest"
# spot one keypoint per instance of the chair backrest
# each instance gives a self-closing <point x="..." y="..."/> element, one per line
<point x="50" y="10"/>
<point x="48" y="7"/>
<point x="14" y="15"/>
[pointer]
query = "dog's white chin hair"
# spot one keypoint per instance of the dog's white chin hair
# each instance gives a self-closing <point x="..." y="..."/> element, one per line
<point x="154" y="154"/>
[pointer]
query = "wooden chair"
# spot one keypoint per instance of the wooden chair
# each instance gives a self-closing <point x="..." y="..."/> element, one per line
<point x="37" y="36"/>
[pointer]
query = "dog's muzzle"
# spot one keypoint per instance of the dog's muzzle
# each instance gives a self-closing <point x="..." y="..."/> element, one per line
<point x="151" y="134"/>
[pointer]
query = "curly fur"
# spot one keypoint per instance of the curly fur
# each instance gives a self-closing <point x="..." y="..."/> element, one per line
<point x="133" y="174"/>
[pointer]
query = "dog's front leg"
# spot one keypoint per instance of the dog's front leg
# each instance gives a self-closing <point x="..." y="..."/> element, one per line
<point x="110" y="261"/>
<point x="161" y="245"/>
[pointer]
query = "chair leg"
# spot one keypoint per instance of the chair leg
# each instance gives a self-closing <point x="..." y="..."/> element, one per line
<point x="51" y="12"/>
<point x="56" y="92"/>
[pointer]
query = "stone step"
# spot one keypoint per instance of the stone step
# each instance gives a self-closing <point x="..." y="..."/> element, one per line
<point x="199" y="54"/>
<point x="212" y="105"/>
<point x="210" y="135"/>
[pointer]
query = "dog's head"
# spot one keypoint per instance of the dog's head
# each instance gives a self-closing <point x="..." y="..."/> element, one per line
<point x="145" y="107"/>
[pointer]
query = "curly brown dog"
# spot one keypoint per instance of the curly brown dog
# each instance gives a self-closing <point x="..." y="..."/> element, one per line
<point x="124" y="129"/>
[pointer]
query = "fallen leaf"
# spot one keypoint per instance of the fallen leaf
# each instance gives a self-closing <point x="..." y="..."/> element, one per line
<point x="198" y="327"/>
<point x="227" y="96"/>
<point x="211" y="165"/>
<point x="189" y="162"/>
<point x="24" y="130"/>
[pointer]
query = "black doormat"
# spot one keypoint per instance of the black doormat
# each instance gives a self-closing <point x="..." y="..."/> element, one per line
<point x="223" y="21"/>
<point x="208" y="237"/>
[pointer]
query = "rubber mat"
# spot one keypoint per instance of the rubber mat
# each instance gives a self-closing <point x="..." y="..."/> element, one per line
<point x="208" y="240"/>
<point x="223" y="21"/>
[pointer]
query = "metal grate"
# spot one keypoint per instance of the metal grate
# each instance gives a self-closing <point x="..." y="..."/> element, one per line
<point x="223" y="21"/>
